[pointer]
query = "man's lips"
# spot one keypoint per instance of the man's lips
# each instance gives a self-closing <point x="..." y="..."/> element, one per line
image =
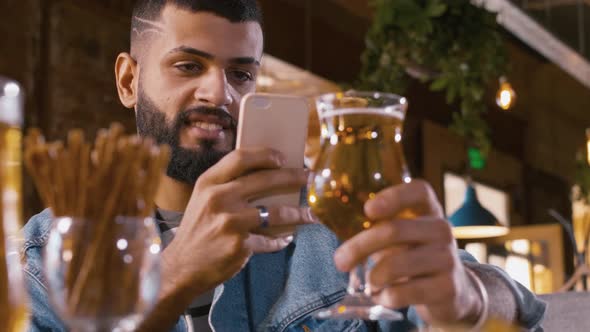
<point x="211" y="120"/>
<point x="205" y="130"/>
<point x="206" y="124"/>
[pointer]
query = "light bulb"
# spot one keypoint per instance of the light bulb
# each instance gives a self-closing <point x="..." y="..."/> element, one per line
<point x="588" y="145"/>
<point x="506" y="97"/>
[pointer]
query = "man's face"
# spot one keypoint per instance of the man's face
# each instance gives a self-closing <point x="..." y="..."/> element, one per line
<point x="192" y="76"/>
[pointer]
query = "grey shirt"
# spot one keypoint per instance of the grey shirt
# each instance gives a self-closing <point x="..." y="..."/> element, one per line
<point x="168" y="222"/>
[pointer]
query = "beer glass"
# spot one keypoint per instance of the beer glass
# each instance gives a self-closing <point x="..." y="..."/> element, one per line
<point x="13" y="294"/>
<point x="361" y="154"/>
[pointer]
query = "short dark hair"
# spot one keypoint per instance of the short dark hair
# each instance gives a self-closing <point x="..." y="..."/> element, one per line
<point x="236" y="11"/>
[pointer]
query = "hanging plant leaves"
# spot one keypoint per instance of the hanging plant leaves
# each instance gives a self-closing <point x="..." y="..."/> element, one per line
<point x="435" y="8"/>
<point x="452" y="44"/>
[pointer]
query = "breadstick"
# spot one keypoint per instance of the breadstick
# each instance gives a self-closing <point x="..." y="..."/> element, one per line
<point x="117" y="177"/>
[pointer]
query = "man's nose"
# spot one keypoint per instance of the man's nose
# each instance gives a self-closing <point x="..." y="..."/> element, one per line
<point x="214" y="89"/>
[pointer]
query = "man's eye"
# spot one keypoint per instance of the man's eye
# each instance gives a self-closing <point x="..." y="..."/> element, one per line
<point x="242" y="76"/>
<point x="189" y="67"/>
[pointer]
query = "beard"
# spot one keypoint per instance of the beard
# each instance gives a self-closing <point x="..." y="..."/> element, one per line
<point x="186" y="165"/>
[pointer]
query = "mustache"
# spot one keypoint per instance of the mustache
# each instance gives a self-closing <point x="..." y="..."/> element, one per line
<point x="217" y="112"/>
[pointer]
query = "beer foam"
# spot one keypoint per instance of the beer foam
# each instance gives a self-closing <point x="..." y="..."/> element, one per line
<point x="10" y="111"/>
<point x="11" y="102"/>
<point x="392" y="111"/>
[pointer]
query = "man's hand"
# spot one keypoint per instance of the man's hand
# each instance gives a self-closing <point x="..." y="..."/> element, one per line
<point x="211" y="243"/>
<point x="215" y="238"/>
<point x="415" y="257"/>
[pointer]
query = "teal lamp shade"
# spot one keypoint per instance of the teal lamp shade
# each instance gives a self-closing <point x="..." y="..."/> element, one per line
<point x="473" y="221"/>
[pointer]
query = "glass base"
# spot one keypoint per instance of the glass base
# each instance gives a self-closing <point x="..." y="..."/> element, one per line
<point x="358" y="307"/>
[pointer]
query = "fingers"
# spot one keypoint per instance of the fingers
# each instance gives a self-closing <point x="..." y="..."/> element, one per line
<point x="418" y="291"/>
<point x="279" y="217"/>
<point x="240" y="162"/>
<point x="262" y="183"/>
<point x="392" y="265"/>
<point x="248" y="174"/>
<point x="261" y="244"/>
<point x="417" y="196"/>
<point x="392" y="233"/>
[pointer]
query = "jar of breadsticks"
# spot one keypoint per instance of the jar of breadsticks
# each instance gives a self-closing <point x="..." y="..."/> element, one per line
<point x="101" y="261"/>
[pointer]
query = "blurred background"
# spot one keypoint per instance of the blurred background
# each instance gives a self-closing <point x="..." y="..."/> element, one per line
<point x="63" y="53"/>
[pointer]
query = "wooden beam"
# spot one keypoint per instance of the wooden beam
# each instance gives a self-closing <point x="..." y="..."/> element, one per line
<point x="537" y="37"/>
<point x="544" y="4"/>
<point x="359" y="8"/>
<point x="340" y="17"/>
<point x="278" y="76"/>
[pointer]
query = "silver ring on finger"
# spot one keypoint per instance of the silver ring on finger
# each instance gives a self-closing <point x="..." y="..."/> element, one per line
<point x="263" y="215"/>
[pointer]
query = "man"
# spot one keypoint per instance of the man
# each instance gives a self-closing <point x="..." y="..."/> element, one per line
<point x="191" y="62"/>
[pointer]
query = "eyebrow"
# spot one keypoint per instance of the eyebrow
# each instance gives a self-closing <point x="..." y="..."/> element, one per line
<point x="208" y="56"/>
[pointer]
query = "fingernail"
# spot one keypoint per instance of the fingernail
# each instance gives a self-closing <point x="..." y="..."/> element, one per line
<point x="285" y="241"/>
<point x="281" y="160"/>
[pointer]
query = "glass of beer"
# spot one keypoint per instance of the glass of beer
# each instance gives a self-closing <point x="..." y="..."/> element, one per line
<point x="13" y="294"/>
<point x="361" y="154"/>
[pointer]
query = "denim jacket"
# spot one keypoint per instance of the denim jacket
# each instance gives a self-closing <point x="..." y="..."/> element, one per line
<point x="274" y="292"/>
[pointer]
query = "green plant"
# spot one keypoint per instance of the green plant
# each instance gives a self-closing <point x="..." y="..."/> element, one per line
<point x="452" y="44"/>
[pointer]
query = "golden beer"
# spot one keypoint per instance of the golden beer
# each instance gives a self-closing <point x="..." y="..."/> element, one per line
<point x="13" y="295"/>
<point x="361" y="155"/>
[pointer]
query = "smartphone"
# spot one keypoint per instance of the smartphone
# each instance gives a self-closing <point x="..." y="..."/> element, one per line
<point x="278" y="122"/>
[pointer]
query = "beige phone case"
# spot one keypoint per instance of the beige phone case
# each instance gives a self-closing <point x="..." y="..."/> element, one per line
<point x="278" y="122"/>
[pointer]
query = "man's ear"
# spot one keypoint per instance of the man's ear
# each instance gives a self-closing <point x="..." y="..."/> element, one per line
<point x="126" y="73"/>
